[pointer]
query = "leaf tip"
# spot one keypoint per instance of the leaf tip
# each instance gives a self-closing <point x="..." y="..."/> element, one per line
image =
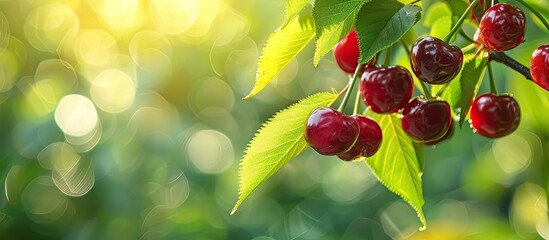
<point x="234" y="210"/>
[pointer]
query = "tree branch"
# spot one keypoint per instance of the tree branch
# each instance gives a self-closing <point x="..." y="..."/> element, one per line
<point x="510" y="62"/>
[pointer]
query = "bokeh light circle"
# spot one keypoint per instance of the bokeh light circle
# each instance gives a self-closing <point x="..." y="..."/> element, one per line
<point x="210" y="151"/>
<point x="174" y="16"/>
<point x="113" y="91"/>
<point x="76" y="115"/>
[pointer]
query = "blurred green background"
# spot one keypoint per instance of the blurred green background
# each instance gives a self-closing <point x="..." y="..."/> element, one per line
<point x="124" y="120"/>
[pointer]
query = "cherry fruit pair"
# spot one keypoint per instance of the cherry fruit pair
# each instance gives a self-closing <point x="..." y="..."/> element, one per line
<point x="330" y="132"/>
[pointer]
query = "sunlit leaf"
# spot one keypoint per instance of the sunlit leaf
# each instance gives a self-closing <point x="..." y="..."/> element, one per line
<point x="279" y="140"/>
<point x="281" y="47"/>
<point x="461" y="91"/>
<point x="436" y="11"/>
<point x="333" y="19"/>
<point x="398" y="163"/>
<point x="441" y="27"/>
<point x="382" y="23"/>
<point x="293" y="8"/>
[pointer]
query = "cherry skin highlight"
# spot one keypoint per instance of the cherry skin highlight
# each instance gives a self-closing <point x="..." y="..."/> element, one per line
<point x="539" y="66"/>
<point x="495" y="116"/>
<point x="330" y="132"/>
<point x="386" y="89"/>
<point x="368" y="142"/>
<point x="426" y="120"/>
<point x="347" y="52"/>
<point x="502" y="27"/>
<point x="434" y="61"/>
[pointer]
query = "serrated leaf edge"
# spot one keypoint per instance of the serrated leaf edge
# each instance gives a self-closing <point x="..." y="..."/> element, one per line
<point x="419" y="212"/>
<point x="240" y="190"/>
<point x="316" y="58"/>
<point x="259" y="62"/>
<point x="416" y="19"/>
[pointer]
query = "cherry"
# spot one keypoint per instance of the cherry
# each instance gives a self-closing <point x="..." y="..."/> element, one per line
<point x="330" y="132"/>
<point x="539" y="66"/>
<point x="502" y="27"/>
<point x="386" y="89"/>
<point x="369" y="139"/>
<point x="449" y="134"/>
<point x="347" y="52"/>
<point x="434" y="61"/>
<point x="426" y="120"/>
<point x="495" y="116"/>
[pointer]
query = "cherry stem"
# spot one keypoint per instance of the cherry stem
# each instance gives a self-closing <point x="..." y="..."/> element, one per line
<point x="356" y="109"/>
<point x="468" y="47"/>
<point x="441" y="90"/>
<point x="414" y="2"/>
<point x="350" y="85"/>
<point x="493" y="88"/>
<point x="388" y="55"/>
<point x="510" y="62"/>
<point x="462" y="33"/>
<point x="456" y="27"/>
<point x="535" y="12"/>
<point x="426" y="91"/>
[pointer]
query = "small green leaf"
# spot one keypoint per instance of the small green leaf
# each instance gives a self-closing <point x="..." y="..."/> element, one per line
<point x="441" y="27"/>
<point x="282" y="47"/>
<point x="293" y="8"/>
<point x="279" y="140"/>
<point x="469" y="80"/>
<point x="436" y="11"/>
<point x="461" y="91"/>
<point x="334" y="19"/>
<point x="381" y="23"/>
<point x="398" y="163"/>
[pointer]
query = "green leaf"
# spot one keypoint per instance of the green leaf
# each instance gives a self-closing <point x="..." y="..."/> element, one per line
<point x="398" y="164"/>
<point x="279" y="140"/>
<point x="441" y="27"/>
<point x="282" y="47"/>
<point x="469" y="80"/>
<point x="436" y="11"/>
<point x="381" y="23"/>
<point x="334" y="19"/>
<point x="457" y="7"/>
<point x="293" y="8"/>
<point x="461" y="91"/>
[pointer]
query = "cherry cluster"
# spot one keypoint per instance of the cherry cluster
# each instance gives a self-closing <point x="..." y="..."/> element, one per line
<point x="425" y="119"/>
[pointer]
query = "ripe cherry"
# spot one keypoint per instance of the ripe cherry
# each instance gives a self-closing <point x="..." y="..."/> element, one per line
<point x="449" y="134"/>
<point x="347" y="52"/>
<point x="495" y="116"/>
<point x="502" y="27"/>
<point x="539" y="66"/>
<point x="434" y="61"/>
<point x="386" y="89"/>
<point x="369" y="139"/>
<point x="330" y="132"/>
<point x="426" y="120"/>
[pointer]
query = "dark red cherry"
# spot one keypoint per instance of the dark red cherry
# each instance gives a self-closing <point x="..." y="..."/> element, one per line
<point x="539" y="66"/>
<point x="495" y="116"/>
<point x="386" y="89"/>
<point x="347" y="52"/>
<point x="449" y="134"/>
<point x="330" y="132"/>
<point x="502" y="27"/>
<point x="369" y="139"/>
<point x="426" y="120"/>
<point x="434" y="61"/>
